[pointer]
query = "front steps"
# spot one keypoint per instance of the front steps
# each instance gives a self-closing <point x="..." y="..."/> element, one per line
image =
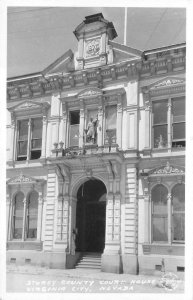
<point x="89" y="261"/>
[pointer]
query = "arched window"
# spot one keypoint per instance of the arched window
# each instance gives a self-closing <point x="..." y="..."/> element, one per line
<point x="32" y="215"/>
<point x="178" y="213"/>
<point x="18" y="213"/>
<point x="159" y="196"/>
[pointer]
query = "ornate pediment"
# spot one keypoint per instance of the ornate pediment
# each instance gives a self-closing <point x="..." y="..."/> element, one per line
<point x="92" y="92"/>
<point x="167" y="170"/>
<point x="29" y="106"/>
<point x="23" y="179"/>
<point x="63" y="64"/>
<point x="167" y="82"/>
<point x="123" y="53"/>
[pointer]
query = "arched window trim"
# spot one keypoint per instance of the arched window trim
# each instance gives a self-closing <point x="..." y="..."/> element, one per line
<point x="25" y="201"/>
<point x="179" y="179"/>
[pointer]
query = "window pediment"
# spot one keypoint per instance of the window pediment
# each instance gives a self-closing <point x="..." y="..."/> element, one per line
<point x="91" y="92"/>
<point x="23" y="179"/>
<point x="29" y="106"/>
<point x="166" y="82"/>
<point x="167" y="170"/>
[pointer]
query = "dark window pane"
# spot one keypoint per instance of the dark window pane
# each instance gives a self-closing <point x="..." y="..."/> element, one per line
<point x="74" y="117"/>
<point x="23" y="129"/>
<point x="74" y="135"/>
<point x="178" y="106"/>
<point x="160" y="112"/>
<point x="18" y="216"/>
<point x="178" y="197"/>
<point x="111" y="117"/>
<point x="178" y="131"/>
<point x="159" y="199"/>
<point x="36" y="128"/>
<point x="179" y="227"/>
<point x="36" y="144"/>
<point x="160" y="136"/>
<point x="160" y="229"/>
<point x="32" y="215"/>
<point x="22" y="148"/>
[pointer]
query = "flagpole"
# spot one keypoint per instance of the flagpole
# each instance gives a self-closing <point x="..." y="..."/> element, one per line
<point x="125" y="29"/>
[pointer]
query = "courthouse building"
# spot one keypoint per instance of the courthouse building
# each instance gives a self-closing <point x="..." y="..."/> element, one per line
<point x="96" y="157"/>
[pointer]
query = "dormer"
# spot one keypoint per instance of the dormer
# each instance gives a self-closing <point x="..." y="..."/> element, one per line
<point x="93" y="36"/>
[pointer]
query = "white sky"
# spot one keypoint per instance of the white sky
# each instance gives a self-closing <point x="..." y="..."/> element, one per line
<point x="37" y="36"/>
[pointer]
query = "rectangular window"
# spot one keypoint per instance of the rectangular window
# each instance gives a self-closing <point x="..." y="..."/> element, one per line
<point x="169" y="123"/>
<point x="160" y="126"/>
<point x="178" y="122"/>
<point x="74" y="128"/>
<point x="29" y="139"/>
<point x="111" y="121"/>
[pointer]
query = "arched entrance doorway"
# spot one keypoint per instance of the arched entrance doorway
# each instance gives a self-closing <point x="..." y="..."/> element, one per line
<point x="90" y="216"/>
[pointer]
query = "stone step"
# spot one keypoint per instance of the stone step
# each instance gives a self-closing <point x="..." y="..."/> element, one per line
<point x="88" y="267"/>
<point x="89" y="261"/>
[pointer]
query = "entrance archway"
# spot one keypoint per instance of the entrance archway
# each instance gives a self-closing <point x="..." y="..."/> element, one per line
<point x="90" y="216"/>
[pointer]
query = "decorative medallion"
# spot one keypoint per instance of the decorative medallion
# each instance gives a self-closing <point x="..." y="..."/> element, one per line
<point x="92" y="47"/>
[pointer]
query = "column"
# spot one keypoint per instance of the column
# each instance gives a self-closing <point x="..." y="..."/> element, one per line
<point x="8" y="215"/>
<point x="109" y="218"/>
<point x="55" y="116"/>
<point x="29" y="140"/>
<point x="147" y="121"/>
<point x="12" y="138"/>
<point x="72" y="223"/>
<point x="117" y="218"/>
<point x="65" y="219"/>
<point x="24" y="219"/>
<point x="44" y="136"/>
<point x="119" y="121"/>
<point x="169" y="124"/>
<point x="132" y="114"/>
<point x="147" y="218"/>
<point x="81" y="126"/>
<point x="40" y="211"/>
<point x="64" y="126"/>
<point x="100" y="122"/>
<point x="59" y="218"/>
<point x="169" y="218"/>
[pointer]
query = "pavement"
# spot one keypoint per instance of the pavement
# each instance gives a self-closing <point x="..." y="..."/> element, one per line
<point x="33" y="279"/>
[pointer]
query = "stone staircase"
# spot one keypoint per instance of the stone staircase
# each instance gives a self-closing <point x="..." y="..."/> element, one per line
<point x="89" y="260"/>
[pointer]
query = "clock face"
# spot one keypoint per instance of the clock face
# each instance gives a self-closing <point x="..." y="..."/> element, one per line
<point x="92" y="47"/>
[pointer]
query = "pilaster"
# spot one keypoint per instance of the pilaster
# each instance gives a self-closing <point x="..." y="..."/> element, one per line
<point x="44" y="135"/>
<point x="147" y="120"/>
<point x="100" y="121"/>
<point x="119" y="121"/>
<point x="81" y="126"/>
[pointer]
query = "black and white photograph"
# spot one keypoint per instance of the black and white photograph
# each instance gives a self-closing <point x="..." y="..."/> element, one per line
<point x="95" y="151"/>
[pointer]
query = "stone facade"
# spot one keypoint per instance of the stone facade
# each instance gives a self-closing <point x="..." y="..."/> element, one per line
<point x="128" y="151"/>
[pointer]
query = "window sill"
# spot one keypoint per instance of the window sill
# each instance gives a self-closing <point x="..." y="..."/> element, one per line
<point x="164" y="249"/>
<point x="24" y="245"/>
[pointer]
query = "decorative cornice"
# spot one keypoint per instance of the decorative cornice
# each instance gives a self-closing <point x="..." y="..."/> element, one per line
<point x="27" y="87"/>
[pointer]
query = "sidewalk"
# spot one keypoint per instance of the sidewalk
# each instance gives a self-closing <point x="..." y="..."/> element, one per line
<point x="36" y="279"/>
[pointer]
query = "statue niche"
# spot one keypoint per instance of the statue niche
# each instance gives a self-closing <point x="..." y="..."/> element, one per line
<point x="91" y="131"/>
